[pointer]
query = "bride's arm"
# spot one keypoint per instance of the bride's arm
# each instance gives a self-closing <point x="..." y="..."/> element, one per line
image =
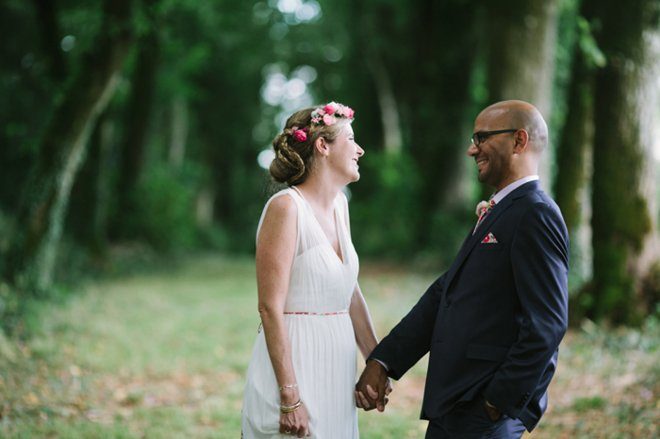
<point x="365" y="336"/>
<point x="274" y="256"/>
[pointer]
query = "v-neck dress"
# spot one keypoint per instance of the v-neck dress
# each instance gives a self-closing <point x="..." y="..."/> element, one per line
<point x="323" y="347"/>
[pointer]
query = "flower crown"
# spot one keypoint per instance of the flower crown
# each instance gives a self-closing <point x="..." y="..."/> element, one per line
<point x="326" y="115"/>
<point x="329" y="113"/>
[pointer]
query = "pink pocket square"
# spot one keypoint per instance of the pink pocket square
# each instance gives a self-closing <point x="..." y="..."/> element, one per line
<point x="489" y="239"/>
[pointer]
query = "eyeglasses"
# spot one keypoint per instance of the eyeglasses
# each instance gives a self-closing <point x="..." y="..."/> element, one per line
<point x="480" y="136"/>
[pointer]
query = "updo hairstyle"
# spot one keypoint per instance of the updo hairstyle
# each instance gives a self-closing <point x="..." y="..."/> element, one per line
<point x="294" y="158"/>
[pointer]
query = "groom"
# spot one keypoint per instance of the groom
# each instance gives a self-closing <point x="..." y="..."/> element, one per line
<point x="492" y="323"/>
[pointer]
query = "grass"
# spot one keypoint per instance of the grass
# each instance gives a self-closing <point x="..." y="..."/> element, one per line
<point x="163" y="355"/>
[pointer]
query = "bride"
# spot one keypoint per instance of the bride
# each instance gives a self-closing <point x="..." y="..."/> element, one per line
<point x="301" y="376"/>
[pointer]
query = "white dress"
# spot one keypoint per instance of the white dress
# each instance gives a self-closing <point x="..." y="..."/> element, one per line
<point x="323" y="346"/>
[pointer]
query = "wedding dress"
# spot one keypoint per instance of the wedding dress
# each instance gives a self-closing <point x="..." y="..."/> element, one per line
<point x="320" y="331"/>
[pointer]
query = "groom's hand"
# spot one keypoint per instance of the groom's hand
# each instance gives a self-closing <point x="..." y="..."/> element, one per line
<point x="373" y="387"/>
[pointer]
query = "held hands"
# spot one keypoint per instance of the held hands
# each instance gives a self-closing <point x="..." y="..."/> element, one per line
<point x="373" y="387"/>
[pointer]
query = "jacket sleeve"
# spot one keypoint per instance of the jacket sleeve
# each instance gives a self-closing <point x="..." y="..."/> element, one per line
<point x="410" y="339"/>
<point x="539" y="258"/>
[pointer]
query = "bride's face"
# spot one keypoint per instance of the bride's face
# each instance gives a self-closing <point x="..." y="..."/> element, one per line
<point x="345" y="153"/>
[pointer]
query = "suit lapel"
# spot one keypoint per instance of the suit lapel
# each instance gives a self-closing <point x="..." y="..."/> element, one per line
<point x="484" y="227"/>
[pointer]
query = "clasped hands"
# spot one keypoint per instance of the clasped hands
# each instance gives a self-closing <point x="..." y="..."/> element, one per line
<point x="373" y="387"/>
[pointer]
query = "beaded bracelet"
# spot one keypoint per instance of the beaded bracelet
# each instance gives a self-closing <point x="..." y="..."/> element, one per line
<point x="284" y="409"/>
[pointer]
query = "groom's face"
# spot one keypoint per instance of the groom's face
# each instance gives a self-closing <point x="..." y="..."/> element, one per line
<point x="493" y="153"/>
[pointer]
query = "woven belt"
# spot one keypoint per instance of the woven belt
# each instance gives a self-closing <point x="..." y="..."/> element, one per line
<point x="307" y="313"/>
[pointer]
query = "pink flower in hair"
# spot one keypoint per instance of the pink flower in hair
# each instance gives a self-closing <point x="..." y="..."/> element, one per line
<point x="329" y="120"/>
<point x="330" y="113"/>
<point x="300" y="135"/>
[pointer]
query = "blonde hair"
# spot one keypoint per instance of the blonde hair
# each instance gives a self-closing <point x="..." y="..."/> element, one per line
<point x="294" y="159"/>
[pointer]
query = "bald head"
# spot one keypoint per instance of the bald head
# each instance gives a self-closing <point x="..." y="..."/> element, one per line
<point x="508" y="139"/>
<point x="521" y="114"/>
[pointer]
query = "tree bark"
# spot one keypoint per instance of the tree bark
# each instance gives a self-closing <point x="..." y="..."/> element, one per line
<point x="369" y="22"/>
<point x="389" y="111"/>
<point x="626" y="98"/>
<point x="521" y="38"/>
<point x="179" y="134"/>
<point x="572" y="182"/>
<point x="575" y="144"/>
<point x="576" y="140"/>
<point x="51" y="37"/>
<point x="139" y="110"/>
<point x="33" y="250"/>
<point x="91" y="193"/>
<point x="445" y="39"/>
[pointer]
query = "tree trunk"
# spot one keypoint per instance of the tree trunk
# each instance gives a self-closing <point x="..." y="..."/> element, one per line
<point x="138" y="114"/>
<point x="91" y="193"/>
<point x="575" y="144"/>
<point x="101" y="214"/>
<point x="389" y="111"/>
<point x="626" y="99"/>
<point x="179" y="133"/>
<point x="446" y="43"/>
<point x="576" y="141"/>
<point x="33" y="250"/>
<point x="204" y="205"/>
<point x="574" y="151"/>
<point x="369" y="22"/>
<point x="51" y="38"/>
<point x="521" y="39"/>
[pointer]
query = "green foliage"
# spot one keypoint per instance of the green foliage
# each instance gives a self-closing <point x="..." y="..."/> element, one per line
<point x="213" y="58"/>
<point x="385" y="206"/>
<point x="165" y="207"/>
<point x="10" y="307"/>
<point x="588" y="44"/>
<point x="582" y="405"/>
<point x="448" y="230"/>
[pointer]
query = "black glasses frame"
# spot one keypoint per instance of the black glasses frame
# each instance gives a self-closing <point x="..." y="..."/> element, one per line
<point x="480" y="136"/>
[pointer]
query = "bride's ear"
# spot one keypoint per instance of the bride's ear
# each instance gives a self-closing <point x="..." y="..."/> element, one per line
<point x="321" y="146"/>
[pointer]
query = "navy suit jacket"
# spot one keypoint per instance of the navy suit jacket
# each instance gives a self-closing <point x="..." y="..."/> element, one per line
<point x="493" y="322"/>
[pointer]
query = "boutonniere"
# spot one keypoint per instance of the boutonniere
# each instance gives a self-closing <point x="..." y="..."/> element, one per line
<point x="483" y="207"/>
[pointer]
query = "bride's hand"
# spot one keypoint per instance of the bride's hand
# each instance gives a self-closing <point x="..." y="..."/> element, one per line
<point x="295" y="423"/>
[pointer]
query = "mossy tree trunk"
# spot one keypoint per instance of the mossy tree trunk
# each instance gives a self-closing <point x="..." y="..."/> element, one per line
<point x="573" y="159"/>
<point x="33" y="249"/>
<point x="577" y="135"/>
<point x="624" y="232"/>
<point x="575" y="144"/>
<point x="521" y="38"/>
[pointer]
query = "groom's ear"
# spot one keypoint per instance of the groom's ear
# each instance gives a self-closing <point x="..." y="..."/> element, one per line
<point x="321" y="145"/>
<point x="521" y="141"/>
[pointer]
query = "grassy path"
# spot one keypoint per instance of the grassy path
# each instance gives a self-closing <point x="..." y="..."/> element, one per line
<point x="163" y="355"/>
